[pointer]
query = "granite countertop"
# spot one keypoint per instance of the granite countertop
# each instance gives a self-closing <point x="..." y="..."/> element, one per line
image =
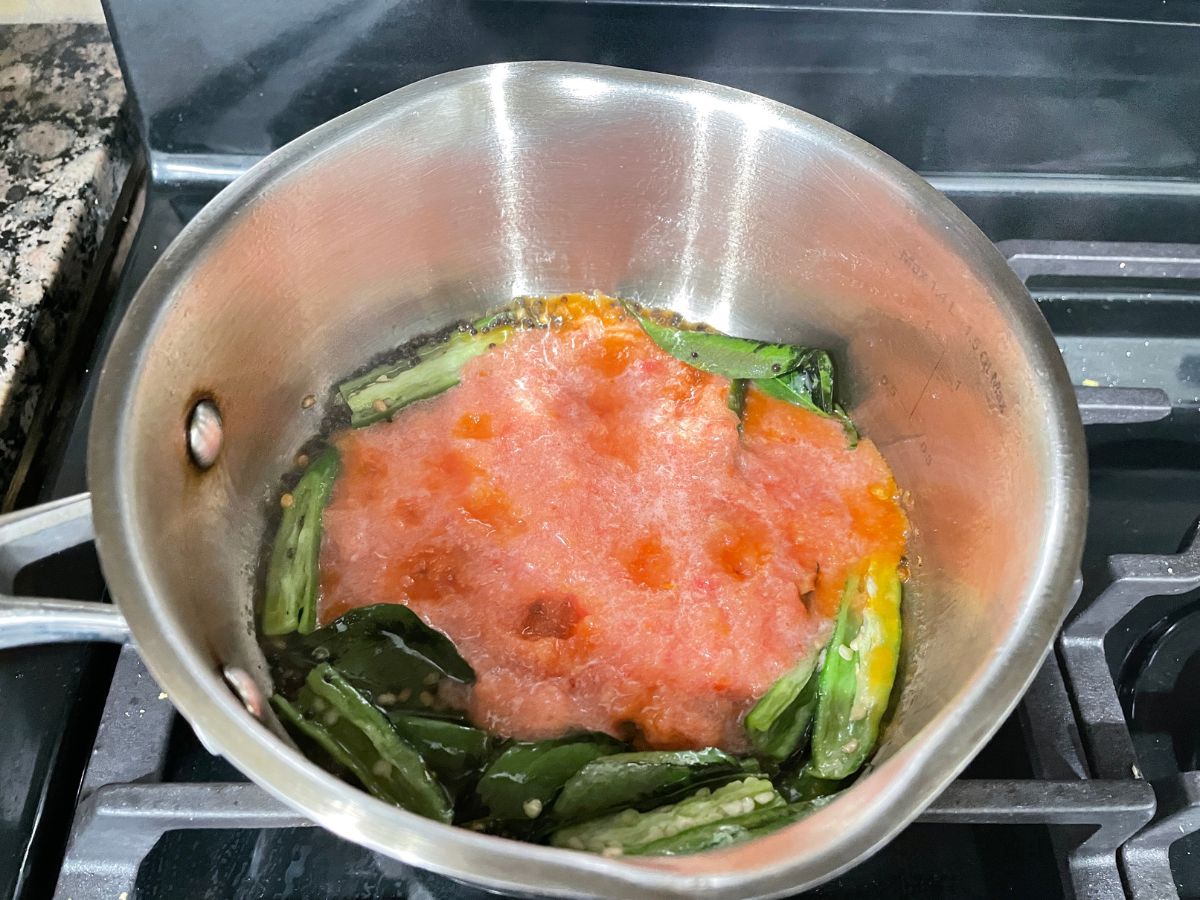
<point x="64" y="156"/>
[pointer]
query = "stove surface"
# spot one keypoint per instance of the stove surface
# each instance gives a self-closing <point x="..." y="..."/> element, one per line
<point x="1059" y="132"/>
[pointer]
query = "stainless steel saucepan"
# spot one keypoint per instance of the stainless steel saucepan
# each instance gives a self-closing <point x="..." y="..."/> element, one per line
<point x="446" y="197"/>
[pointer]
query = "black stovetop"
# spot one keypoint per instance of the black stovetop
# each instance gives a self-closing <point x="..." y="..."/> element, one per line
<point x="162" y="818"/>
<point x="1052" y="129"/>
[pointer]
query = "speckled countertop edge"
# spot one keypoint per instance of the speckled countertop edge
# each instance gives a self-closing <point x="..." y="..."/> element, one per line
<point x="64" y="156"/>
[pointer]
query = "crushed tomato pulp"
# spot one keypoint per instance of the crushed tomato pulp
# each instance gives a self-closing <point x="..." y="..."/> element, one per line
<point x="583" y="518"/>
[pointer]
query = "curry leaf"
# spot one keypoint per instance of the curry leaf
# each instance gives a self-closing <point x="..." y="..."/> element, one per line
<point x="721" y="354"/>
<point x="524" y="780"/>
<point x="456" y="753"/>
<point x="384" y="650"/>
<point x="391" y="627"/>
<point x="811" y="385"/>
<point x="778" y="723"/>
<point x="800" y="784"/>
<point x="808" y="384"/>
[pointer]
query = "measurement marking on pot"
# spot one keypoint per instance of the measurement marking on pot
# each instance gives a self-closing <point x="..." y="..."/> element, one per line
<point x="993" y="386"/>
<point x="922" y="445"/>
<point x="925" y="389"/>
<point x="922" y="274"/>
<point x="991" y="378"/>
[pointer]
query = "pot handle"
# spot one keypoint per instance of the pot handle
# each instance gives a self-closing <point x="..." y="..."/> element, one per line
<point x="29" y="535"/>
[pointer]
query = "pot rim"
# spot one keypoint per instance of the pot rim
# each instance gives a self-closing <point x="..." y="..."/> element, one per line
<point x="893" y="794"/>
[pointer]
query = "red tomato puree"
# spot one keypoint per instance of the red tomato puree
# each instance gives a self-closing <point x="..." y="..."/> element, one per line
<point x="583" y="519"/>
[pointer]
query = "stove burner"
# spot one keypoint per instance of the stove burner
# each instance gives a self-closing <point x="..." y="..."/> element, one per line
<point x="1165" y="678"/>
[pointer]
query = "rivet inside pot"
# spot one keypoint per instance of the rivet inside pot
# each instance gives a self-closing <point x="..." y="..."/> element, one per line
<point x="205" y="433"/>
<point x="246" y="689"/>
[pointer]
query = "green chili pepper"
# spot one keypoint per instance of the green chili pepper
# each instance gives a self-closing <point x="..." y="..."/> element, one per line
<point x="860" y="668"/>
<point x="292" y="576"/>
<point x="641" y="780"/>
<point x="382" y="392"/>
<point x="630" y="831"/>
<point x="737" y="830"/>
<point x="330" y="712"/>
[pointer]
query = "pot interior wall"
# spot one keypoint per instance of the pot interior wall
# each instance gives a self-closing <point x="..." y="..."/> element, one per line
<point x="741" y="216"/>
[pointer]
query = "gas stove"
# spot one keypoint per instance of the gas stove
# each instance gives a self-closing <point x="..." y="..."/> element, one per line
<point x="1062" y="133"/>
